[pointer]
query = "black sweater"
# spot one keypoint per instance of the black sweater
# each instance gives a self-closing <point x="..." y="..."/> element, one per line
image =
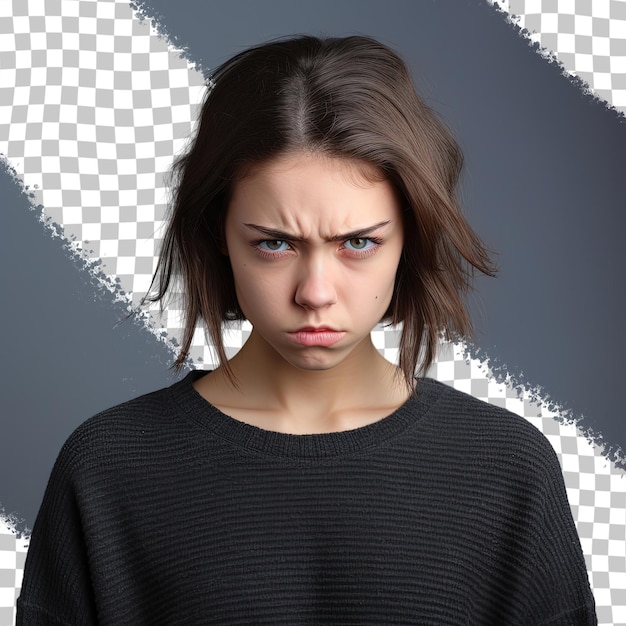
<point x="164" y="510"/>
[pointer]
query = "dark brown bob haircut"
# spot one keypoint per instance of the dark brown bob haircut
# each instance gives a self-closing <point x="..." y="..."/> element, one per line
<point x="346" y="97"/>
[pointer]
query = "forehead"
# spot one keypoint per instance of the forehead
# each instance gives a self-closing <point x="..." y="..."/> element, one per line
<point x="355" y="170"/>
<point x="305" y="189"/>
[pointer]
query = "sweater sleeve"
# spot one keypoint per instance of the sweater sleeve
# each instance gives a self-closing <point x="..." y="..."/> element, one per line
<point x="56" y="588"/>
<point x="559" y="574"/>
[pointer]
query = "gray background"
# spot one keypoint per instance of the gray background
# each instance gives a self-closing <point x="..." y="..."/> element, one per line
<point x="544" y="186"/>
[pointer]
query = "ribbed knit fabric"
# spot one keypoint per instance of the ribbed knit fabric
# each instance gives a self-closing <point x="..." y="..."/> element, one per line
<point x="164" y="510"/>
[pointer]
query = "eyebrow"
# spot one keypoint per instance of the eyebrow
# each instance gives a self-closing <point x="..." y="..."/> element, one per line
<point x="282" y="235"/>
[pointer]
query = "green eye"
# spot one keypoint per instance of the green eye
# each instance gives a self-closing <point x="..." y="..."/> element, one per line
<point x="273" y="245"/>
<point x="358" y="243"/>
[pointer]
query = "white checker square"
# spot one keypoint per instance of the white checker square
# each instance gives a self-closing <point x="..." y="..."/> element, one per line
<point x="7" y="596"/>
<point x="21" y="24"/>
<point x="602" y="596"/>
<point x="550" y="23"/>
<point x="127" y="230"/>
<point x="567" y="43"/>
<point x="91" y="232"/>
<point x="378" y="339"/>
<point x="464" y="385"/>
<point x="601" y="46"/>
<point x="618" y="64"/>
<point x="105" y="10"/>
<point x="618" y="518"/>
<point x="617" y="29"/>
<point x="584" y="62"/>
<point x="619" y="99"/>
<point x="108" y="249"/>
<point x="602" y="8"/>
<point x="8" y="558"/>
<point x="125" y="265"/>
<point x="72" y="42"/>
<point x="583" y="24"/>
<point x="142" y="283"/>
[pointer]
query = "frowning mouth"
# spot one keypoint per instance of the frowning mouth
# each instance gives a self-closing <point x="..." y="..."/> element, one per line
<point x="321" y="336"/>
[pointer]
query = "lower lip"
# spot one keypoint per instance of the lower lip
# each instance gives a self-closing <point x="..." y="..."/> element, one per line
<point x="324" y="338"/>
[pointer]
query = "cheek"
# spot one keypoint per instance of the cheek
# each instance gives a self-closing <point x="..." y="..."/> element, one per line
<point x="257" y="294"/>
<point x="386" y="276"/>
<point x="369" y="295"/>
<point x="385" y="286"/>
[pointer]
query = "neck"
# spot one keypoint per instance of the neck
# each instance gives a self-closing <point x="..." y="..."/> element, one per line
<point x="362" y="388"/>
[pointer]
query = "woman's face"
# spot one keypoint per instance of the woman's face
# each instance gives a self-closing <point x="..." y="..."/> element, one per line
<point x="314" y="243"/>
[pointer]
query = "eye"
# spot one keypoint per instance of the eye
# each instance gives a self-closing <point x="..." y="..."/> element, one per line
<point x="273" y="245"/>
<point x="358" y="244"/>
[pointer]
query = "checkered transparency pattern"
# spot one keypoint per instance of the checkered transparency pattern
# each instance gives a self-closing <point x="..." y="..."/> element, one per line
<point x="93" y="107"/>
<point x="587" y="37"/>
<point x="12" y="557"/>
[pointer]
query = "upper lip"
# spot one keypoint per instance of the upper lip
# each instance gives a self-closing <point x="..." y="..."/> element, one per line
<point x="315" y="329"/>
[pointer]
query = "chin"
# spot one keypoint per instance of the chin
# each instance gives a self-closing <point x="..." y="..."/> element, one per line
<point x="319" y="362"/>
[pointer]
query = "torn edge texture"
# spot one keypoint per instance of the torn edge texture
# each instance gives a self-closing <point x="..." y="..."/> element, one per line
<point x="533" y="39"/>
<point x="158" y="28"/>
<point x="107" y="286"/>
<point x="12" y="524"/>
<point x="499" y="373"/>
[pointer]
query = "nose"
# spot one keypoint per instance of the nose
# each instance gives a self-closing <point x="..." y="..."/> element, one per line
<point x="315" y="287"/>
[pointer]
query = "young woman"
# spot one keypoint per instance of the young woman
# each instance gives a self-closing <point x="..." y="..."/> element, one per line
<point x="307" y="480"/>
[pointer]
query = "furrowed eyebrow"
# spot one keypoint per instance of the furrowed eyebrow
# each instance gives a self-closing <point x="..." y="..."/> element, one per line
<point x="358" y="234"/>
<point x="281" y="235"/>
<point x="271" y="233"/>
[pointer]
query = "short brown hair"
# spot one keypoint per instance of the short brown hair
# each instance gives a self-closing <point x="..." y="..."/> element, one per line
<point x="342" y="97"/>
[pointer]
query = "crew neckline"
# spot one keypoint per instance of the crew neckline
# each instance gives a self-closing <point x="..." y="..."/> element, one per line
<point x="253" y="438"/>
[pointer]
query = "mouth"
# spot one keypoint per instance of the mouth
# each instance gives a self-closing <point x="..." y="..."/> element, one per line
<point x="317" y="336"/>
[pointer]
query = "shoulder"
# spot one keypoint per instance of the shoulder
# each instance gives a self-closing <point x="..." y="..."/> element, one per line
<point x="484" y="433"/>
<point x="128" y="428"/>
<point x="460" y="411"/>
